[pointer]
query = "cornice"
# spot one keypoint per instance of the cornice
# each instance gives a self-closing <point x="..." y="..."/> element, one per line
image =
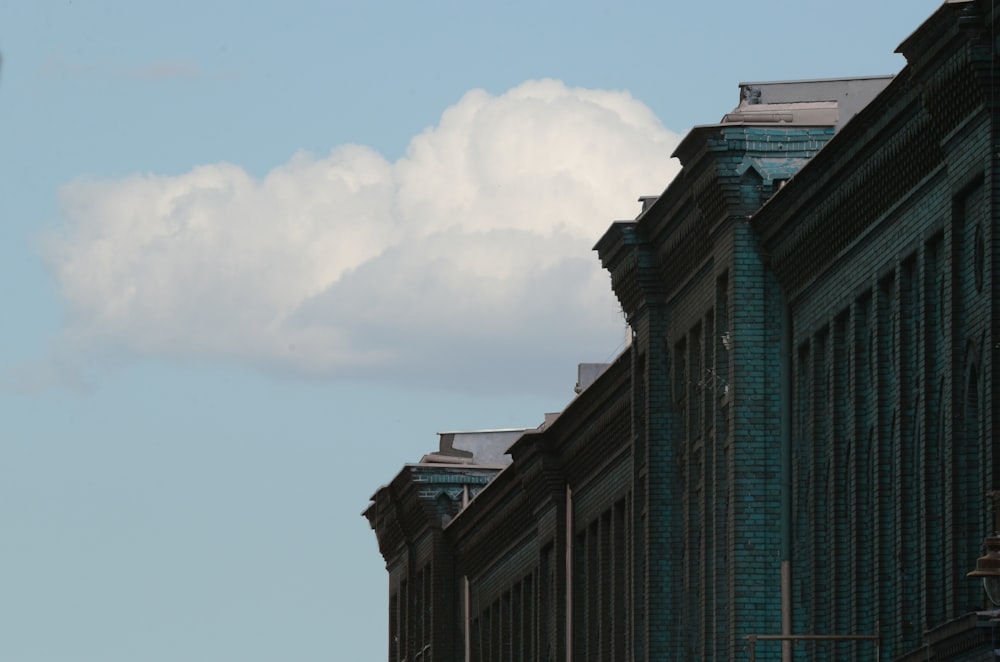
<point x="635" y="280"/>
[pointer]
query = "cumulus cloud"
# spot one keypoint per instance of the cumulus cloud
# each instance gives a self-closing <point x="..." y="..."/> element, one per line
<point x="467" y="261"/>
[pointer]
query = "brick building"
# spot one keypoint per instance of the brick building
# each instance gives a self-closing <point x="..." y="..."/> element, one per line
<point x="798" y="439"/>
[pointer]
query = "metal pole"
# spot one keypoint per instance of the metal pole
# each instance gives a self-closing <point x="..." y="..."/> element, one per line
<point x="754" y="638"/>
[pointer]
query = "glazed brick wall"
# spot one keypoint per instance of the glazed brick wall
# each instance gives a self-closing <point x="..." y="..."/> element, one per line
<point x="754" y="480"/>
<point x="886" y="344"/>
<point x="662" y="633"/>
<point x="512" y="541"/>
<point x="609" y="484"/>
<point x="709" y="440"/>
<point x="510" y="566"/>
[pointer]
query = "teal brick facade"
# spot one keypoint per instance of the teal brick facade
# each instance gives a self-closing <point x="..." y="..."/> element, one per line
<point x="880" y="247"/>
<point x="799" y="438"/>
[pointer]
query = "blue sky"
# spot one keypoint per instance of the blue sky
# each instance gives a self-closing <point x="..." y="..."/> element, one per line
<point x="255" y="255"/>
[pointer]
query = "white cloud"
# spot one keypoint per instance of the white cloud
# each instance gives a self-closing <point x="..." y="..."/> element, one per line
<point x="467" y="259"/>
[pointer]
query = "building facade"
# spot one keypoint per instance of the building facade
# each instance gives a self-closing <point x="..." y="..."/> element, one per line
<point x="798" y="440"/>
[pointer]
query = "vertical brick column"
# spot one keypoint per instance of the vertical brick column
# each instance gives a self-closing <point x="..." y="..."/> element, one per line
<point x="660" y="508"/>
<point x="755" y="523"/>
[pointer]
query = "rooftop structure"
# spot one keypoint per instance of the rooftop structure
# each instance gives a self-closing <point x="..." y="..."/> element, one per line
<point x="829" y="101"/>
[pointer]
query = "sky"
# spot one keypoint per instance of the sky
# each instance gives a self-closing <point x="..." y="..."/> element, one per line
<point x="254" y="256"/>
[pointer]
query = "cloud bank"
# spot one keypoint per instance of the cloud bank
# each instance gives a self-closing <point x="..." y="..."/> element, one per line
<point x="468" y="261"/>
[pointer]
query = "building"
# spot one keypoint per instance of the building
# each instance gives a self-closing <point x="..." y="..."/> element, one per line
<point x="798" y="440"/>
